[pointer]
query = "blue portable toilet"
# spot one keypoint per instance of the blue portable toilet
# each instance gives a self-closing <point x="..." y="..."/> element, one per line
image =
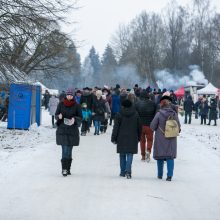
<point x="24" y="106"/>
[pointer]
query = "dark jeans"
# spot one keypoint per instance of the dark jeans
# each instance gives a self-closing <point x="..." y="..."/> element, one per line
<point x="53" y="120"/>
<point x="186" y="117"/>
<point x="104" y="125"/>
<point x="170" y="167"/>
<point x="85" y="126"/>
<point x="112" y="118"/>
<point x="126" y="163"/>
<point x="196" y="114"/>
<point x="203" y="119"/>
<point x="67" y="152"/>
<point x="97" y="125"/>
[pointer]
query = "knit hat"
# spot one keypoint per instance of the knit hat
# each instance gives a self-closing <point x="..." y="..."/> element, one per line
<point x="84" y="105"/>
<point x="167" y="93"/>
<point x="166" y="97"/>
<point x="98" y="93"/>
<point x="70" y="91"/>
<point x="126" y="103"/>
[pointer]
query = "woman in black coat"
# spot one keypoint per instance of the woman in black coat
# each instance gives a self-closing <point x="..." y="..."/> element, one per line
<point x="68" y="115"/>
<point x="99" y="111"/>
<point x="126" y="134"/>
<point x="213" y="111"/>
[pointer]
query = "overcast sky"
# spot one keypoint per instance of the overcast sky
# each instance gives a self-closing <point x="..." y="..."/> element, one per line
<point x="97" y="20"/>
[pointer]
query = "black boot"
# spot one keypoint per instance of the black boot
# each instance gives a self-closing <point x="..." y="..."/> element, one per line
<point x="169" y="178"/>
<point x="64" y="166"/>
<point x="69" y="166"/>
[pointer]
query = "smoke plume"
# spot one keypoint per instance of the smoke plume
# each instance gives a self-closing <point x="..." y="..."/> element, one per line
<point x="168" y="80"/>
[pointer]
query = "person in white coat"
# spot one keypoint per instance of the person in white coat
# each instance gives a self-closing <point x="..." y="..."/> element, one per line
<point x="53" y="103"/>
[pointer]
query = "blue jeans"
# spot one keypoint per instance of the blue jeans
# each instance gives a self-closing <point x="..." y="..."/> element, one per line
<point x="125" y="163"/>
<point x="170" y="167"/>
<point x="67" y="152"/>
<point x="97" y="125"/>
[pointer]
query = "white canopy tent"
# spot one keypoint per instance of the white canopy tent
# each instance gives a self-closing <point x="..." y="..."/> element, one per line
<point x="208" y="90"/>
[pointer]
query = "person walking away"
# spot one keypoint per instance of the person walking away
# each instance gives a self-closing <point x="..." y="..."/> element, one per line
<point x="146" y="109"/>
<point x="126" y="135"/>
<point x="213" y="111"/>
<point x="46" y="99"/>
<point x="86" y="117"/>
<point x="116" y="104"/>
<point x="203" y="110"/>
<point x="196" y="107"/>
<point x="99" y="111"/>
<point x="53" y="103"/>
<point x="62" y="96"/>
<point x="104" y="123"/>
<point x="188" y="107"/>
<point x="165" y="149"/>
<point x="68" y="115"/>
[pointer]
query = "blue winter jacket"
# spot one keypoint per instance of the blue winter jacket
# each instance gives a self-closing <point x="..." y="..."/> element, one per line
<point x="86" y="114"/>
<point x="116" y="104"/>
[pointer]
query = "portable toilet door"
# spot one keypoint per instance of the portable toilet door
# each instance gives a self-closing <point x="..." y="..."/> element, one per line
<point x="19" y="112"/>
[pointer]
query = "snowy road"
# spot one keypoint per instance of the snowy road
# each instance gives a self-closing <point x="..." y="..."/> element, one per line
<point x="32" y="188"/>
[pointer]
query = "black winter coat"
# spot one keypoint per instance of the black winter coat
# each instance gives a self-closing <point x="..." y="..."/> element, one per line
<point x="188" y="105"/>
<point x="88" y="99"/>
<point x="146" y="109"/>
<point x="68" y="135"/>
<point x="213" y="111"/>
<point x="99" y="109"/>
<point x="127" y="131"/>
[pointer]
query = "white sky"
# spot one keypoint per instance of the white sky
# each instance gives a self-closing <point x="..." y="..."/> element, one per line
<point x="97" y="20"/>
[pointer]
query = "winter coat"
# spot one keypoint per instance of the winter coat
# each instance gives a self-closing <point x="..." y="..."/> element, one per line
<point x="107" y="107"/>
<point x="116" y="104"/>
<point x="53" y="102"/>
<point x="174" y="98"/>
<point x="46" y="97"/>
<point x="146" y="110"/>
<point x="196" y="106"/>
<point x="68" y="135"/>
<point x="213" y="110"/>
<point x="164" y="148"/>
<point x="188" y="105"/>
<point x="88" y="99"/>
<point x="123" y="96"/>
<point x="127" y="131"/>
<point x="77" y="98"/>
<point x="99" y="109"/>
<point x="203" y="108"/>
<point x="86" y="114"/>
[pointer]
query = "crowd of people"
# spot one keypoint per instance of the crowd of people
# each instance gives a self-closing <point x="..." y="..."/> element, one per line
<point x="136" y="115"/>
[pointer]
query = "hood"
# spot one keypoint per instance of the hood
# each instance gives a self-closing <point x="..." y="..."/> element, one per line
<point x="166" y="112"/>
<point x="128" y="112"/>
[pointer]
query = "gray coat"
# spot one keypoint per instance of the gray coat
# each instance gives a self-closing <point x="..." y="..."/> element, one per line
<point x="53" y="103"/>
<point x="164" y="148"/>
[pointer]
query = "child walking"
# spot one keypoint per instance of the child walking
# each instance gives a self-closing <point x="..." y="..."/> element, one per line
<point x="86" y="114"/>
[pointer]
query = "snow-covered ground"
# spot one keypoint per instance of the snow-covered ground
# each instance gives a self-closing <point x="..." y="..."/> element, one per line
<point x="32" y="188"/>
